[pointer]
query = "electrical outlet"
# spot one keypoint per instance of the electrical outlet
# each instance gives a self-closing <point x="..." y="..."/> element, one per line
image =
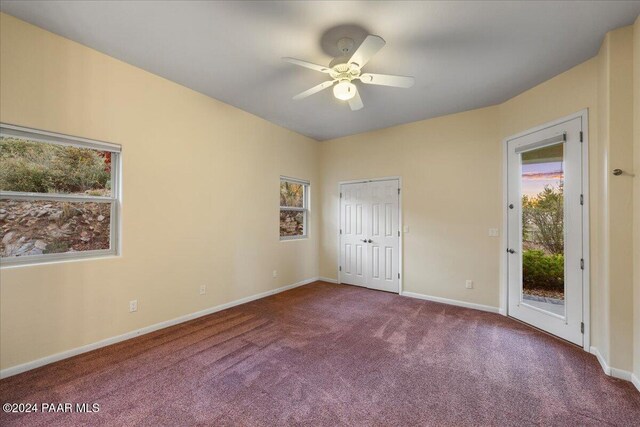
<point x="133" y="305"/>
<point x="203" y="289"/>
<point x="275" y="273"/>
<point x="493" y="232"/>
<point x="469" y="284"/>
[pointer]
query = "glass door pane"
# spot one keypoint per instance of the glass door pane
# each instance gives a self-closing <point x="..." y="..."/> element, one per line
<point x="542" y="198"/>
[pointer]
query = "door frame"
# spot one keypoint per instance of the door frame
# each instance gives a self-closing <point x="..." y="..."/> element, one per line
<point x="504" y="265"/>
<point x="400" y="226"/>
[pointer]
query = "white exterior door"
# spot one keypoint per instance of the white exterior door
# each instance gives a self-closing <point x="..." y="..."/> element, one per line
<point x="545" y="221"/>
<point x="370" y="235"/>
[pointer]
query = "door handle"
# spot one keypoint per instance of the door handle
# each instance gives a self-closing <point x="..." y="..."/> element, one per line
<point x="364" y="240"/>
<point x="369" y="241"/>
<point x="511" y="251"/>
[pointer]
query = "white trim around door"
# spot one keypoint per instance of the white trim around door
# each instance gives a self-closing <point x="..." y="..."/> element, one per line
<point x="400" y="225"/>
<point x="504" y="294"/>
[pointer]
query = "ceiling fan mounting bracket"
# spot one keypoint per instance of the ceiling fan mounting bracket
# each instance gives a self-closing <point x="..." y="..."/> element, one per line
<point x="345" y="45"/>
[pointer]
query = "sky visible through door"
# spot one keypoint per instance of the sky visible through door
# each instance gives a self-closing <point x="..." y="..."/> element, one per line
<point x="538" y="175"/>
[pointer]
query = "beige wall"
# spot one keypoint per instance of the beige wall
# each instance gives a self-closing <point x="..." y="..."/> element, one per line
<point x="636" y="195"/>
<point x="599" y="171"/>
<point x="200" y="198"/>
<point x="615" y="96"/>
<point x="451" y="191"/>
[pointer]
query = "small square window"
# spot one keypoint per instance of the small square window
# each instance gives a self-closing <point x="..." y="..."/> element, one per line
<point x="294" y="208"/>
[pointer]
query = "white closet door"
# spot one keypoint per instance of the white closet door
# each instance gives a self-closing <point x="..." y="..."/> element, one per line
<point x="369" y="235"/>
<point x="353" y="246"/>
<point x="383" y="236"/>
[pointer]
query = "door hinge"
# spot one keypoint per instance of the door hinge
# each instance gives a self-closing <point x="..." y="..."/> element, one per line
<point x="581" y="263"/>
<point x="398" y="275"/>
<point x="580" y="136"/>
<point x="340" y="269"/>
<point x="582" y="327"/>
<point x="582" y="199"/>
<point x="341" y="194"/>
<point x="398" y="191"/>
<point x="398" y="233"/>
<point x="341" y="231"/>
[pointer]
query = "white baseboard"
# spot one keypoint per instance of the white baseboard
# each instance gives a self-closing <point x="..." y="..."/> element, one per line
<point x="614" y="372"/>
<point x="327" y="279"/>
<point x="458" y="303"/>
<point x="14" y="370"/>
<point x="605" y="367"/>
<point x="635" y="381"/>
<point x="620" y="373"/>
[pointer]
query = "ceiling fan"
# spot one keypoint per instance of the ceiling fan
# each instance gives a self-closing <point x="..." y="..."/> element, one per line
<point x="344" y="69"/>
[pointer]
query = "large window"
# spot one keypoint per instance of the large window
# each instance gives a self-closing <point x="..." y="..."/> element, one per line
<point x="294" y="208"/>
<point x="58" y="196"/>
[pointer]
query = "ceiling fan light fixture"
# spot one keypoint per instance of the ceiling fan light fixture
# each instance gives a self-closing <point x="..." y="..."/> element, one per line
<point x="348" y="67"/>
<point x="344" y="90"/>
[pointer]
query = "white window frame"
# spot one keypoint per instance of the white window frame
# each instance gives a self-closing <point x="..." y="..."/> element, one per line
<point x="8" y="130"/>
<point x="305" y="208"/>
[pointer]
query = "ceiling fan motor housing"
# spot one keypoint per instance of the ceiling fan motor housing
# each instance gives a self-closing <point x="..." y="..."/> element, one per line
<point x="341" y="69"/>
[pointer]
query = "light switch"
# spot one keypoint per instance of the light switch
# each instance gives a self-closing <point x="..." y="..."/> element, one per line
<point x="493" y="232"/>
<point x="405" y="228"/>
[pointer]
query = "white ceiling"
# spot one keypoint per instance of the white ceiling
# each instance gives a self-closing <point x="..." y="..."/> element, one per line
<point x="464" y="55"/>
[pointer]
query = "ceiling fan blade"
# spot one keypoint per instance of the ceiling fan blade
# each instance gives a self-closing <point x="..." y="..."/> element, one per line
<point x="356" y="102"/>
<point x="369" y="47"/>
<point x="307" y="64"/>
<point x="387" y="80"/>
<point x="314" y="89"/>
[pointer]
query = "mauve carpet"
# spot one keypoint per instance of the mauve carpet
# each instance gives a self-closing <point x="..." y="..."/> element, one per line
<point x="328" y="354"/>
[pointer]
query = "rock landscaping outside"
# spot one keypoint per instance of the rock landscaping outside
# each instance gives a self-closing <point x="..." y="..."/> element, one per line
<point x="41" y="227"/>
<point x="291" y="221"/>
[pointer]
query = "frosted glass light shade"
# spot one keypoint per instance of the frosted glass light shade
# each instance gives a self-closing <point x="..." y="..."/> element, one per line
<point x="344" y="90"/>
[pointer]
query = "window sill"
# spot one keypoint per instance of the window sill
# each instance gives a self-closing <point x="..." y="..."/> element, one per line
<point x="9" y="265"/>
<point x="294" y="239"/>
